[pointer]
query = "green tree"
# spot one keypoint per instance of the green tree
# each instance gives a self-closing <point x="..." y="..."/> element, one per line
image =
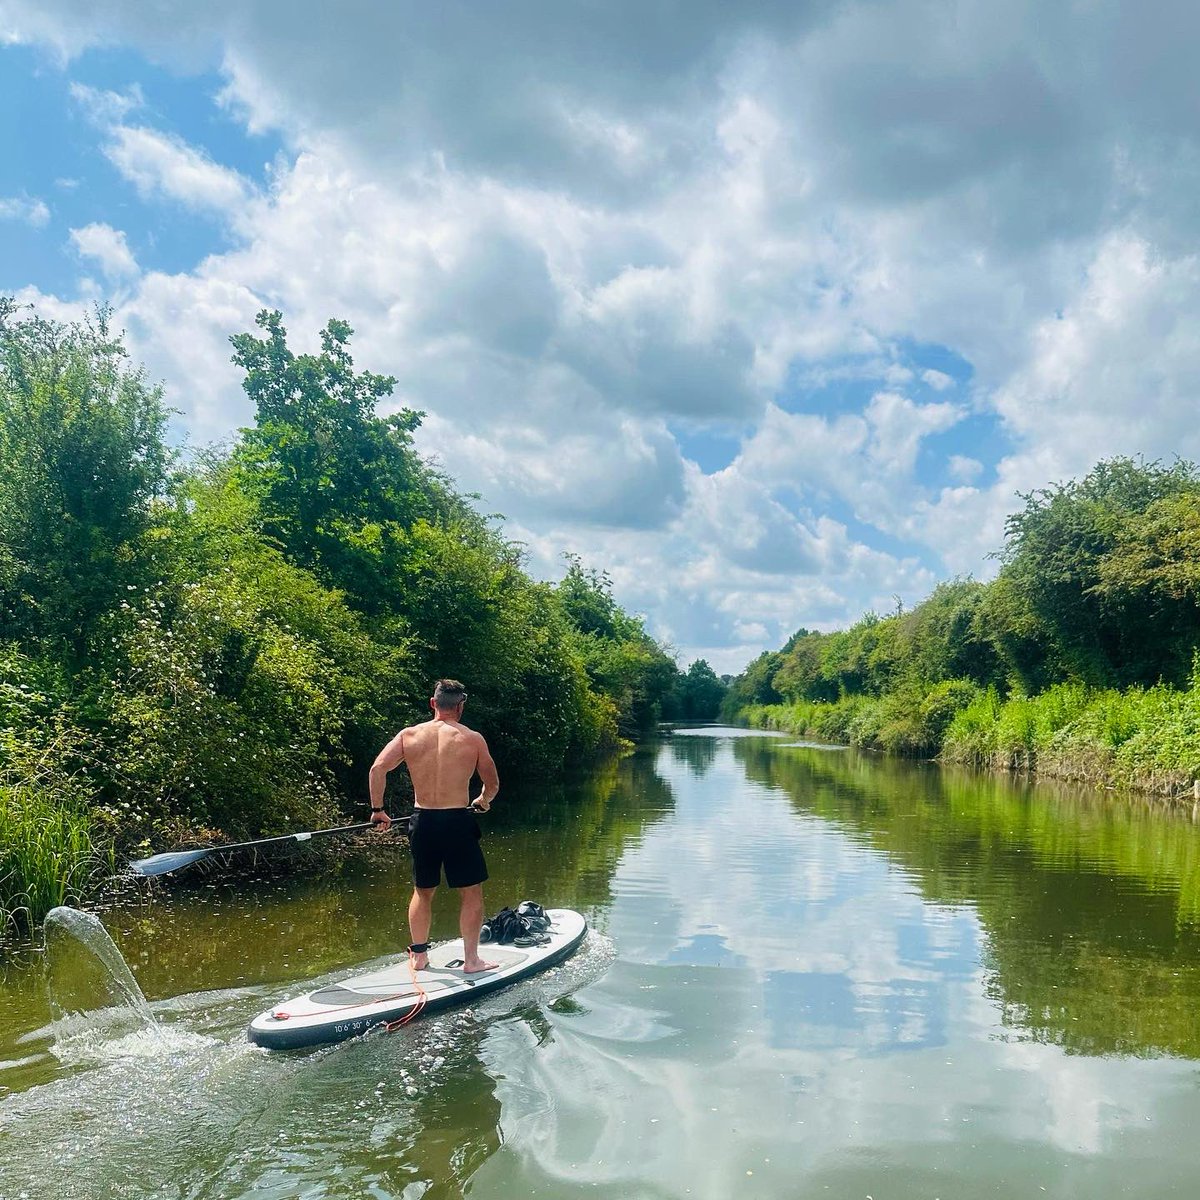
<point x="1054" y="550"/>
<point x="586" y="597"/>
<point x="82" y="460"/>
<point x="1153" y="570"/>
<point x="345" y="495"/>
<point x="755" y="685"/>
<point x="323" y="466"/>
<point x="800" y="675"/>
<point x="943" y="637"/>
<point x="699" y="692"/>
<point x="861" y="660"/>
<point x="621" y="659"/>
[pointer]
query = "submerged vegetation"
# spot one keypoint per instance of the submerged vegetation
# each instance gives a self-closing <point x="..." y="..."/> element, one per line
<point x="220" y="647"/>
<point x="1079" y="661"/>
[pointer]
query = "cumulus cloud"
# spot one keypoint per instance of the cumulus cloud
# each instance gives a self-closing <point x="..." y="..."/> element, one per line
<point x="964" y="468"/>
<point x="20" y="208"/>
<point x="107" y="247"/>
<point x="157" y="163"/>
<point x="1118" y="366"/>
<point x="578" y="239"/>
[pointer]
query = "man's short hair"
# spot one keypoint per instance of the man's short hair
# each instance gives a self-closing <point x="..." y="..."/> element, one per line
<point x="448" y="693"/>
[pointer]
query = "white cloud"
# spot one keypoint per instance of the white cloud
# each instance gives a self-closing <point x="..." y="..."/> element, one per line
<point x="743" y="219"/>
<point x="898" y="426"/>
<point x="20" y="208"/>
<point x="159" y="164"/>
<point x="104" y="107"/>
<point x="1119" y="368"/>
<point x="964" y="468"/>
<point x="107" y="247"/>
<point x="179" y="325"/>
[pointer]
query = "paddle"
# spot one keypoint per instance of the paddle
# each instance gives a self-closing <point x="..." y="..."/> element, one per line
<point x="172" y="860"/>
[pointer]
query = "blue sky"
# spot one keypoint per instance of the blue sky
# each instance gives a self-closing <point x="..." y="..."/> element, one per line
<point x="770" y="310"/>
<point x="52" y="153"/>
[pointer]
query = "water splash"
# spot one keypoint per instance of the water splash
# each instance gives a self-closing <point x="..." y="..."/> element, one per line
<point x="93" y="994"/>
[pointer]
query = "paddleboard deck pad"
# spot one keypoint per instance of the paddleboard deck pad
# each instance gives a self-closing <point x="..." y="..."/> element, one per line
<point x="350" y="1007"/>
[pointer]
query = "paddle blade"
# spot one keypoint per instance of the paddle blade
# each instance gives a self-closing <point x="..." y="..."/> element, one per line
<point x="160" y="864"/>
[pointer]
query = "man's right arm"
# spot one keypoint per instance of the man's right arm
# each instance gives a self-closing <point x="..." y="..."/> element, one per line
<point x="391" y="756"/>
<point x="489" y="776"/>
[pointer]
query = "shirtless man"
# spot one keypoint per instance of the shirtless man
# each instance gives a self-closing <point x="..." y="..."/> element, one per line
<point x="442" y="754"/>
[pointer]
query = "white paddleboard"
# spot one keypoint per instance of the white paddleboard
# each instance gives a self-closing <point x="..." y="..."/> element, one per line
<point x="351" y="1006"/>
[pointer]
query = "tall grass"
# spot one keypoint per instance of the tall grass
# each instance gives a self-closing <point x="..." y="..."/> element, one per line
<point x="1143" y="738"/>
<point x="49" y="855"/>
<point x="829" y="722"/>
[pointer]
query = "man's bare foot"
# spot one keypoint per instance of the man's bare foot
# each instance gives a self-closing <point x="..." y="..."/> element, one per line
<point x="419" y="961"/>
<point x="475" y="965"/>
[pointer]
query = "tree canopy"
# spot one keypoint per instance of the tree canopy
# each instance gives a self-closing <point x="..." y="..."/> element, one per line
<point x="82" y="460"/>
<point x="227" y="644"/>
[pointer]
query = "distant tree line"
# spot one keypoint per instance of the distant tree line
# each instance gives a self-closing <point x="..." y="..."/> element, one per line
<point x="224" y="644"/>
<point x="1098" y="595"/>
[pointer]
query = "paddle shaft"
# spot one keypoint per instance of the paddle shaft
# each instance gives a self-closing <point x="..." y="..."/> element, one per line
<point x="174" y="860"/>
<point x="290" y="837"/>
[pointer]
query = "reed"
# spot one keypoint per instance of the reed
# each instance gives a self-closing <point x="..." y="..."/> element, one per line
<point x="1146" y="739"/>
<point x="49" y="855"/>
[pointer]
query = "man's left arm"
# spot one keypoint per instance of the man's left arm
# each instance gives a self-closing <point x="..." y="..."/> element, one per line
<point x="489" y="776"/>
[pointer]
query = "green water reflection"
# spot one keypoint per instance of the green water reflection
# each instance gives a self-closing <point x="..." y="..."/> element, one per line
<point x="1091" y="908"/>
<point x="812" y="973"/>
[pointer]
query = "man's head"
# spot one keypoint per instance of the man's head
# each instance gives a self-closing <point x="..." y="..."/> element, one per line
<point x="448" y="694"/>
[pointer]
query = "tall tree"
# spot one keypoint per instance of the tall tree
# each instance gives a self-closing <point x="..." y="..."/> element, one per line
<point x="1152" y="574"/>
<point x="699" y="692"/>
<point x="322" y="463"/>
<point x="82" y="459"/>
<point x="755" y="685"/>
<point x="622" y="660"/>
<point x="1053" y="554"/>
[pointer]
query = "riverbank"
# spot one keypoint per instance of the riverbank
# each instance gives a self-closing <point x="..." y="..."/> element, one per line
<point x="1139" y="739"/>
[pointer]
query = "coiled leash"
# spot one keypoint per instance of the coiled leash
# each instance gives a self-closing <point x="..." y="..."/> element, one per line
<point x="413" y="950"/>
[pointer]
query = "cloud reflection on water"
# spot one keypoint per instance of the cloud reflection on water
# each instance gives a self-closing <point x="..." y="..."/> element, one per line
<point x="812" y="1019"/>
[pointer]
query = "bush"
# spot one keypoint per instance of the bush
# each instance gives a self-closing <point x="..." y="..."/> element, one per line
<point x="223" y="715"/>
<point x="942" y="704"/>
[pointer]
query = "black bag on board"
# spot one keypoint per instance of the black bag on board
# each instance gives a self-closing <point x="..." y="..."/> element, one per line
<point x="524" y="925"/>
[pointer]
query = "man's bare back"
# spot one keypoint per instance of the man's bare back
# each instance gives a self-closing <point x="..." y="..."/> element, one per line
<point x="442" y="754"/>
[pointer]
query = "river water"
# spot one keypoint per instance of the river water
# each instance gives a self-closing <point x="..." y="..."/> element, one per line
<point x="811" y="973"/>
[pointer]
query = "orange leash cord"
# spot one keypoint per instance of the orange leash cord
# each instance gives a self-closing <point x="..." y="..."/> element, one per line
<point x="419" y="1004"/>
<point x="390" y="1026"/>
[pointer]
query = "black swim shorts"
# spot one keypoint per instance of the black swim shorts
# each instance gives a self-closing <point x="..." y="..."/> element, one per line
<point x="446" y="837"/>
